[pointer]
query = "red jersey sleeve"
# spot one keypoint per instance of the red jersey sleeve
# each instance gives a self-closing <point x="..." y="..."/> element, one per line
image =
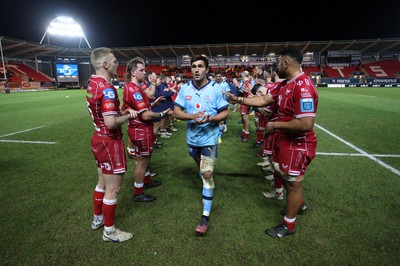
<point x="110" y="102"/>
<point x="305" y="98"/>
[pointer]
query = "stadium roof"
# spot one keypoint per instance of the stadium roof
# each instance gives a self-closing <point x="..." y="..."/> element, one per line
<point x="13" y="49"/>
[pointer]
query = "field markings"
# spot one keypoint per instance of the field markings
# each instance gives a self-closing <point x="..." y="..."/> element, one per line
<point x="28" y="141"/>
<point x="358" y="154"/>
<point x="362" y="95"/>
<point x="25" y="141"/>
<point x="370" y="156"/>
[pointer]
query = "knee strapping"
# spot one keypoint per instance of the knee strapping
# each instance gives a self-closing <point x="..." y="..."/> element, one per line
<point x="208" y="183"/>
<point x="207" y="169"/>
<point x="207" y="164"/>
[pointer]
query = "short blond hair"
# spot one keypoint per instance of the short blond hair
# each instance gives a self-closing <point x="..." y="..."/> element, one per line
<point x="98" y="56"/>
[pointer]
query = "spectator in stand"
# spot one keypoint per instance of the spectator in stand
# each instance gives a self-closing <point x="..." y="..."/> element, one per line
<point x="205" y="107"/>
<point x="140" y="130"/>
<point x="297" y="99"/>
<point x="107" y="144"/>
<point x="6" y="87"/>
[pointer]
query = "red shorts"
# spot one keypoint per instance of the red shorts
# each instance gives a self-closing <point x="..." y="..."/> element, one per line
<point x="262" y="122"/>
<point x="109" y="154"/>
<point x="293" y="162"/>
<point x="143" y="140"/>
<point x="244" y="109"/>
<point x="270" y="143"/>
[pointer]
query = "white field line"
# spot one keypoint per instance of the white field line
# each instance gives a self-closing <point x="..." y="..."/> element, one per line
<point x="362" y="95"/>
<point x="25" y="141"/>
<point x="358" y="154"/>
<point x="22" y="131"/>
<point x="370" y="156"/>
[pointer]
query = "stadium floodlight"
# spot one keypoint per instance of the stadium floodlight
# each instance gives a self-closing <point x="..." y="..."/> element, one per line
<point x="65" y="26"/>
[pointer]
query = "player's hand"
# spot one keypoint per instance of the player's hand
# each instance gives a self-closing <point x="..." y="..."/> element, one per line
<point x="132" y="113"/>
<point x="158" y="101"/>
<point x="270" y="127"/>
<point x="230" y="97"/>
<point x="201" y="117"/>
<point x="168" y="111"/>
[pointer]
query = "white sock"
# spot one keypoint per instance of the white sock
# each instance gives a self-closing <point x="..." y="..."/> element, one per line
<point x="109" y="229"/>
<point x="290" y="220"/>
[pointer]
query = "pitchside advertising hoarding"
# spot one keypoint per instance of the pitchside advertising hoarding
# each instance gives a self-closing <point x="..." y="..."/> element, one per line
<point x="356" y="82"/>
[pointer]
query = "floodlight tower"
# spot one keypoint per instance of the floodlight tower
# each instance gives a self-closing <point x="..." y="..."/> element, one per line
<point x="65" y="26"/>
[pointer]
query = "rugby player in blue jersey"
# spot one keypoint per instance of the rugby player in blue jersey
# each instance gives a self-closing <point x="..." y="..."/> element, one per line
<point x="201" y="102"/>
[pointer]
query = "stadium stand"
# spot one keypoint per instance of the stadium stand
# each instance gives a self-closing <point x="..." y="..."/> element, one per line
<point x="383" y="69"/>
<point x="21" y="72"/>
<point x="333" y="61"/>
<point x="340" y="71"/>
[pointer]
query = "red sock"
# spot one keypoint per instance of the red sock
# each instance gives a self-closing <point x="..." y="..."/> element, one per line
<point x="139" y="190"/>
<point x="147" y="179"/>
<point x="109" y="207"/>
<point x="98" y="201"/>
<point x="265" y="144"/>
<point x="259" y="135"/>
<point x="302" y="203"/>
<point x="289" y="225"/>
<point x="278" y="181"/>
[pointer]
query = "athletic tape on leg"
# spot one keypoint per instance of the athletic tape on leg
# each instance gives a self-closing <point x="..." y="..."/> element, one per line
<point x="207" y="164"/>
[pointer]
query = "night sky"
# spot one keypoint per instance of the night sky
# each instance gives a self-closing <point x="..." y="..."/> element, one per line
<point x="117" y="24"/>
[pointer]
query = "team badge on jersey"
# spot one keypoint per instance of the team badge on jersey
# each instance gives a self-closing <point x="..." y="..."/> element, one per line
<point x="307" y="105"/>
<point x="188" y="97"/>
<point x="138" y="96"/>
<point x="109" y="94"/>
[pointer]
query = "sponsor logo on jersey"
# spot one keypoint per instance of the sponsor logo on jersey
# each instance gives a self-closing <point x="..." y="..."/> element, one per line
<point x="109" y="94"/>
<point x="198" y="105"/>
<point x="138" y="96"/>
<point x="306" y="95"/>
<point x="307" y="105"/>
<point x="109" y="105"/>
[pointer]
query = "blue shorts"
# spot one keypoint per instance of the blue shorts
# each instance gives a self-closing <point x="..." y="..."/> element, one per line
<point x="209" y="151"/>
